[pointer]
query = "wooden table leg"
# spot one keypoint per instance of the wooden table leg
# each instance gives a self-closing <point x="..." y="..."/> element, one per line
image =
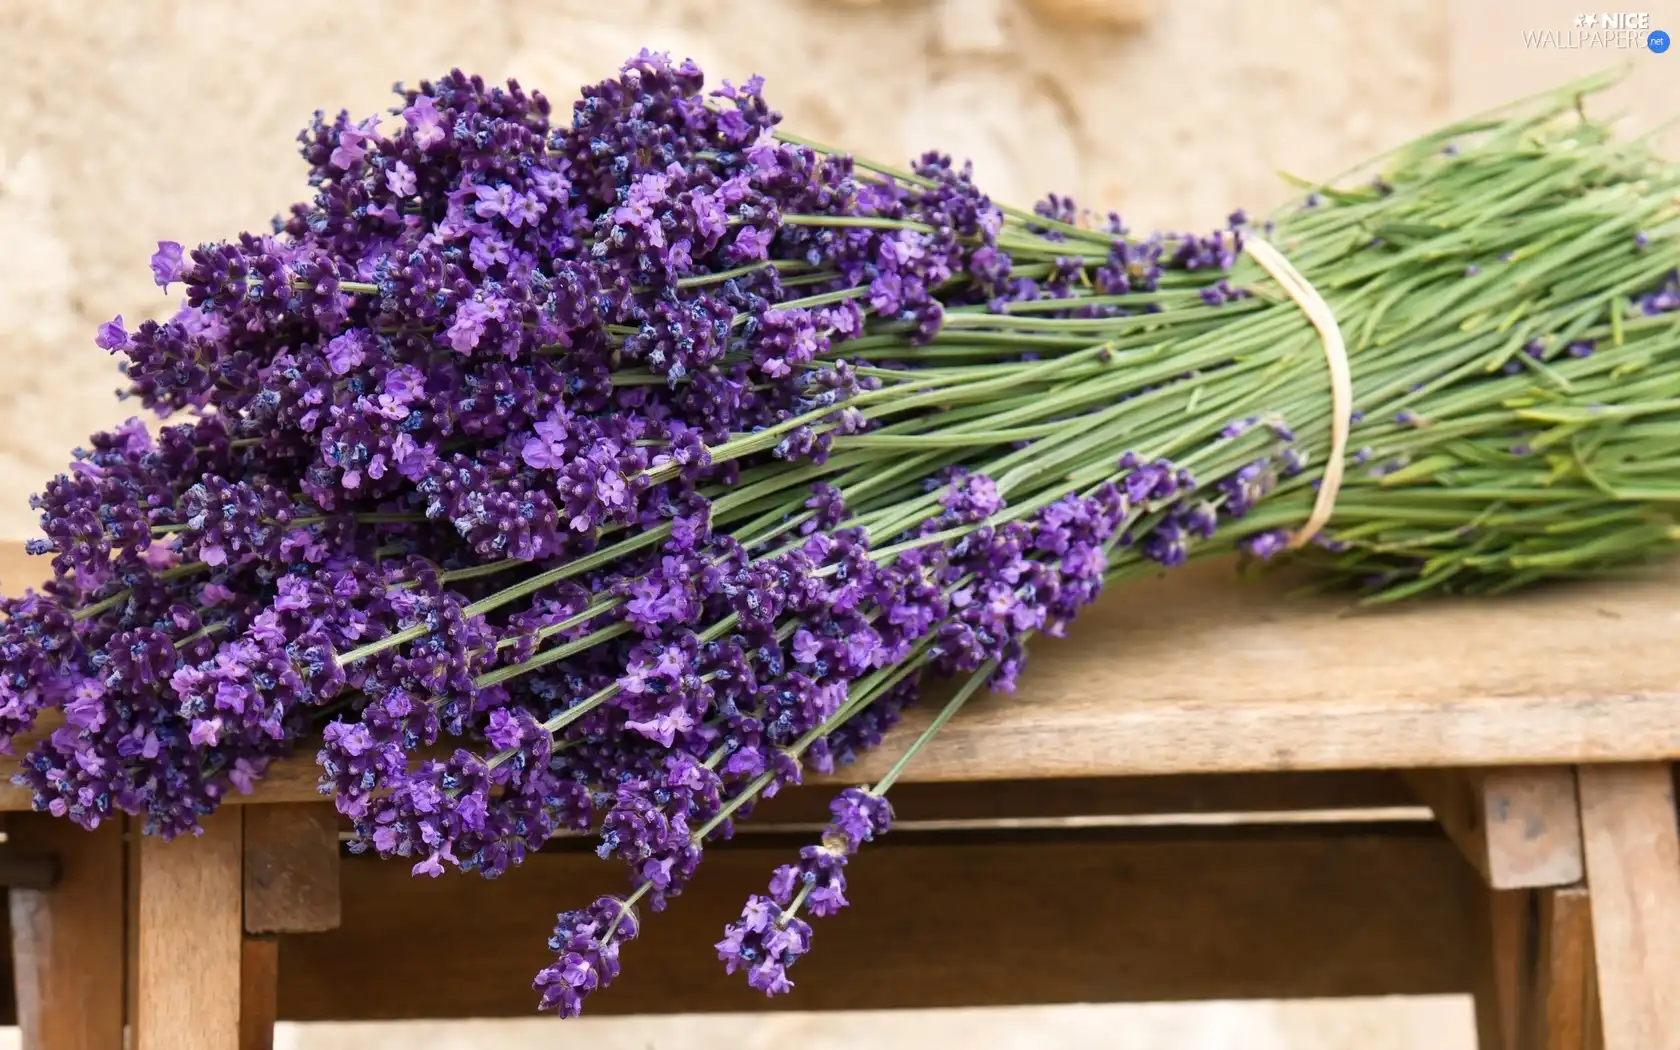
<point x="1632" y="849"/>
<point x="1535" y="990"/>
<point x="290" y="886"/>
<point x="1501" y="978"/>
<point x="67" y="941"/>
<point x="1562" y="1012"/>
<point x="259" y="990"/>
<point x="185" y="939"/>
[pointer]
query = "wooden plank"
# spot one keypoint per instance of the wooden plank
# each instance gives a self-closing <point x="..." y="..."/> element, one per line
<point x="67" y="941"/>
<point x="1533" y="986"/>
<point x="1044" y="737"/>
<point x="1595" y="1015"/>
<point x="1633" y="876"/>
<point x="1198" y="673"/>
<point x="1519" y="828"/>
<point x="259" y="985"/>
<point x="1564" y="1005"/>
<point x="1502" y="978"/>
<point x="291" y="868"/>
<point x="185" y="939"/>
<point x="1143" y="915"/>
<point x="1163" y="796"/>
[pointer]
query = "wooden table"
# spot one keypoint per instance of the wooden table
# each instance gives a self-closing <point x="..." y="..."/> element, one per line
<point x="1206" y="792"/>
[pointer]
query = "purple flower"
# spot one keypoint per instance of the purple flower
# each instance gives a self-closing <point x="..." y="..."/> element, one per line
<point x="970" y="498"/>
<point x="858" y="816"/>
<point x="764" y="154"/>
<point x="547" y="449"/>
<point x="751" y="243"/>
<point x="205" y="732"/>
<point x="400" y="179"/>
<point x="467" y="328"/>
<point x="1266" y="545"/>
<point x="765" y="943"/>
<point x="807" y="649"/>
<point x="586" y="943"/>
<point x="524" y="209"/>
<point x="768" y="938"/>
<point x="548" y="184"/>
<point x="352" y="144"/>
<point x="167" y="264"/>
<point x="493" y="201"/>
<point x="425" y="121"/>
<point x="345" y="351"/>
<point x="112" y="335"/>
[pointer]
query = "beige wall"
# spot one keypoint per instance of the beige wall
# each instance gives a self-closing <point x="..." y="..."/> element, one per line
<point x="126" y="121"/>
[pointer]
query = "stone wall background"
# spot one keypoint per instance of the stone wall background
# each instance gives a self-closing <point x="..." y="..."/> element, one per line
<point x="123" y="123"/>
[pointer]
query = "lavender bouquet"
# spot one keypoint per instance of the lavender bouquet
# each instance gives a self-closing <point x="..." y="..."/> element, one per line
<point x="608" y="475"/>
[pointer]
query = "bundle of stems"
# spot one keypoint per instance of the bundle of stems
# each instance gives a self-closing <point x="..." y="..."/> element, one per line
<point x="1505" y="287"/>
<point x="609" y="478"/>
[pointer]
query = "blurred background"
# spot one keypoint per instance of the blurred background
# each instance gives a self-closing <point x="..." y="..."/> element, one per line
<point x="124" y="123"/>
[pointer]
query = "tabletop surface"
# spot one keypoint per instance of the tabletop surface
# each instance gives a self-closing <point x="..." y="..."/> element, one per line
<point x="1204" y="672"/>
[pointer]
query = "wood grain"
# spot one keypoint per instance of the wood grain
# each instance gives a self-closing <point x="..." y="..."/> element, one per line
<point x="1198" y="672"/>
<point x="291" y="868"/>
<point x="185" y="939"/>
<point x="1594" y="1039"/>
<point x="1162" y="797"/>
<point x="936" y="921"/>
<point x="1503" y="963"/>
<point x="1531" y="825"/>
<point x="1519" y="828"/>
<point x="1633" y="876"/>
<point x="1564" y="1006"/>
<point x="67" y="941"/>
<point x="1534" y="988"/>
<point x="259" y="985"/>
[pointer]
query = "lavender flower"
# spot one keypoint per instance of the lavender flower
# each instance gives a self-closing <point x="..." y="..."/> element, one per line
<point x="608" y="472"/>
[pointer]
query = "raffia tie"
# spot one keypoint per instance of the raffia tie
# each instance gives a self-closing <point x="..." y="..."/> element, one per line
<point x="1341" y="377"/>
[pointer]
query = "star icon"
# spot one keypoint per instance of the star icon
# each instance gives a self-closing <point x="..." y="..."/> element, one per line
<point x="1585" y="21"/>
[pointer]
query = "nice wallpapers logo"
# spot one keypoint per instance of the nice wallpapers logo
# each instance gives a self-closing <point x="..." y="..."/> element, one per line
<point x="1607" y="31"/>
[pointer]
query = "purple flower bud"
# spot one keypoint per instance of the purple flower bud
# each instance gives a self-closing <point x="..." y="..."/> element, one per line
<point x="1266" y="545"/>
